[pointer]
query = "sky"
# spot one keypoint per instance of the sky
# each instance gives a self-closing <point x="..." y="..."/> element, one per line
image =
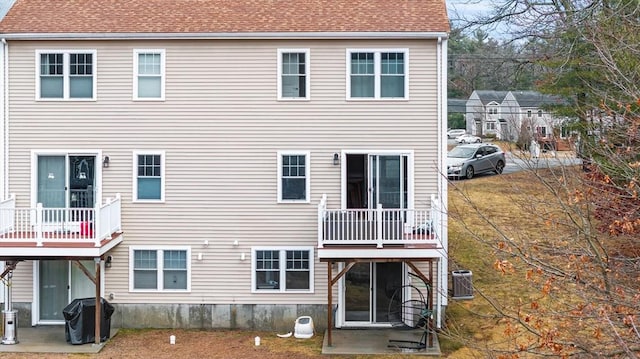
<point x="468" y="7"/>
<point x="473" y="8"/>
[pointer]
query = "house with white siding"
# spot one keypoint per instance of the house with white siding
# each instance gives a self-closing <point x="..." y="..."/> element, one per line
<point x="225" y="163"/>
<point x="508" y="115"/>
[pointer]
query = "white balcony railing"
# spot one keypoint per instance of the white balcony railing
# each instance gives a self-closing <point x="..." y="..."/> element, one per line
<point x="379" y="226"/>
<point x="59" y="225"/>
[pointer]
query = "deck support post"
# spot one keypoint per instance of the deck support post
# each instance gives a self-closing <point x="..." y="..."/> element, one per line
<point x="97" y="331"/>
<point x="329" y="300"/>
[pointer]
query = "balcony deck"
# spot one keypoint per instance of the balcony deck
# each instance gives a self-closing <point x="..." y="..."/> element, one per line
<point x="379" y="232"/>
<point x="59" y="232"/>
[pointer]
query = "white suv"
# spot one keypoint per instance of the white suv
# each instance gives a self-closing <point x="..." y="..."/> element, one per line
<point x="456" y="132"/>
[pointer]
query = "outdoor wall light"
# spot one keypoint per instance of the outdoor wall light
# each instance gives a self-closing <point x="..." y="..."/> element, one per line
<point x="107" y="262"/>
<point x="105" y="162"/>
<point x="336" y="159"/>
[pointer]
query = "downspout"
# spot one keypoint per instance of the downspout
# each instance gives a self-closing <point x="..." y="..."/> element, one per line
<point x="443" y="271"/>
<point x="4" y="191"/>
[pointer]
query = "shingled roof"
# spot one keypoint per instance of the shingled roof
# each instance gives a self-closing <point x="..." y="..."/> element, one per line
<point x="224" y="16"/>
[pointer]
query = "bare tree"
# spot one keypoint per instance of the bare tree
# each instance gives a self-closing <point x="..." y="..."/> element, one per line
<point x="576" y="259"/>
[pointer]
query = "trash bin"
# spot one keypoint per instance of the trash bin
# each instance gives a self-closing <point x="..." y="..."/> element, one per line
<point x="80" y="322"/>
<point x="462" y="284"/>
<point x="9" y="327"/>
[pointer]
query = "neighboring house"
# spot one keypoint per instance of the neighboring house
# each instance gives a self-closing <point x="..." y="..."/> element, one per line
<point x="508" y="114"/>
<point x="207" y="165"/>
<point x="483" y="112"/>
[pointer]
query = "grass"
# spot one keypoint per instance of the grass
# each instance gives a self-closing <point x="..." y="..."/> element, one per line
<point x="485" y="215"/>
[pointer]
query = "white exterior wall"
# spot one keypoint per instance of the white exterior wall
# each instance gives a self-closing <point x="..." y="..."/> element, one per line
<point x="220" y="127"/>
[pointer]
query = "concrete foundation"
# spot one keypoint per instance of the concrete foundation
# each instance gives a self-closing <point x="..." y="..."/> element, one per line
<point x="269" y="317"/>
<point x="279" y="317"/>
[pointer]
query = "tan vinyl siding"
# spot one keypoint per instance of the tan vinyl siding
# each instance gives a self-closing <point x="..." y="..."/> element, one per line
<point x="22" y="283"/>
<point x="221" y="127"/>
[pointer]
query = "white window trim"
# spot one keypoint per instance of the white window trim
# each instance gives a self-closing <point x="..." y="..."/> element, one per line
<point x="160" y="269"/>
<point x="65" y="73"/>
<point x="163" y="176"/>
<point x="377" y="74"/>
<point x="136" y="52"/>
<point x="283" y="262"/>
<point x="307" y="176"/>
<point x="307" y="67"/>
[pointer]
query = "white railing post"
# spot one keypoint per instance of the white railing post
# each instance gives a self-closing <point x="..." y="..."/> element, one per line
<point x="39" y="225"/>
<point x="322" y="208"/>
<point x="97" y="224"/>
<point x="118" y="212"/>
<point x="379" y="219"/>
<point x="8" y="214"/>
<point x="435" y="217"/>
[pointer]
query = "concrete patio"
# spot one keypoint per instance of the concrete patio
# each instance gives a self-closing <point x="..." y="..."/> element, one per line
<point x="49" y="339"/>
<point x="378" y="341"/>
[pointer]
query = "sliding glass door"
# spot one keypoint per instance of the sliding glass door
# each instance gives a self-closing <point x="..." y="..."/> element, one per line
<point x="369" y="289"/>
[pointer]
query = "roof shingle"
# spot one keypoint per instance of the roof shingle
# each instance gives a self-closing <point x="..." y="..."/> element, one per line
<point x="224" y="16"/>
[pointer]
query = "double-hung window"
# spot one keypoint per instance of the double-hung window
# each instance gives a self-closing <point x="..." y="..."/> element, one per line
<point x="149" y="74"/>
<point x="66" y="75"/>
<point x="293" y="176"/>
<point x="293" y="74"/>
<point x="159" y="269"/>
<point x="377" y="74"/>
<point x="149" y="176"/>
<point x="282" y="269"/>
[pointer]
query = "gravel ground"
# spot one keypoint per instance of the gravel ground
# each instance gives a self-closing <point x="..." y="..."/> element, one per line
<point x="195" y="344"/>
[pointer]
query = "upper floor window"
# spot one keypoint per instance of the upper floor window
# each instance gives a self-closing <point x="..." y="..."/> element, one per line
<point x="293" y="177"/>
<point x="159" y="269"/>
<point x="529" y="113"/>
<point x="377" y="74"/>
<point x="148" y="82"/>
<point x="541" y="131"/>
<point x="293" y="74"/>
<point x="539" y="113"/>
<point x="493" y="110"/>
<point x="66" y="75"/>
<point x="149" y="176"/>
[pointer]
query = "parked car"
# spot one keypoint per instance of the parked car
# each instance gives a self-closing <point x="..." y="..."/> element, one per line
<point x="455" y="132"/>
<point x="465" y="161"/>
<point x="466" y="138"/>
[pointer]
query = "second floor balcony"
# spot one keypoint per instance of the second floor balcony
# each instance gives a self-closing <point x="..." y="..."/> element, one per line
<point x="380" y="227"/>
<point x="59" y="227"/>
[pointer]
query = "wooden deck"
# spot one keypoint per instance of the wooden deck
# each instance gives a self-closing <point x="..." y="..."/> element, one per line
<point x="65" y="247"/>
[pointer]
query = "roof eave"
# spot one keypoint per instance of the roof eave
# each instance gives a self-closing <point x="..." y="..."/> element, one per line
<point x="227" y="35"/>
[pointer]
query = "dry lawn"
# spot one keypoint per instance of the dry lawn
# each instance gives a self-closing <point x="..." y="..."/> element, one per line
<point x="483" y="213"/>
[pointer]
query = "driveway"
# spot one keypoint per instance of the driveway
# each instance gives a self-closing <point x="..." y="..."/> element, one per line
<point x="523" y="161"/>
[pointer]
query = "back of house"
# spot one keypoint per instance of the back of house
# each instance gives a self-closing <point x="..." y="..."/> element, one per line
<point x="209" y="163"/>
